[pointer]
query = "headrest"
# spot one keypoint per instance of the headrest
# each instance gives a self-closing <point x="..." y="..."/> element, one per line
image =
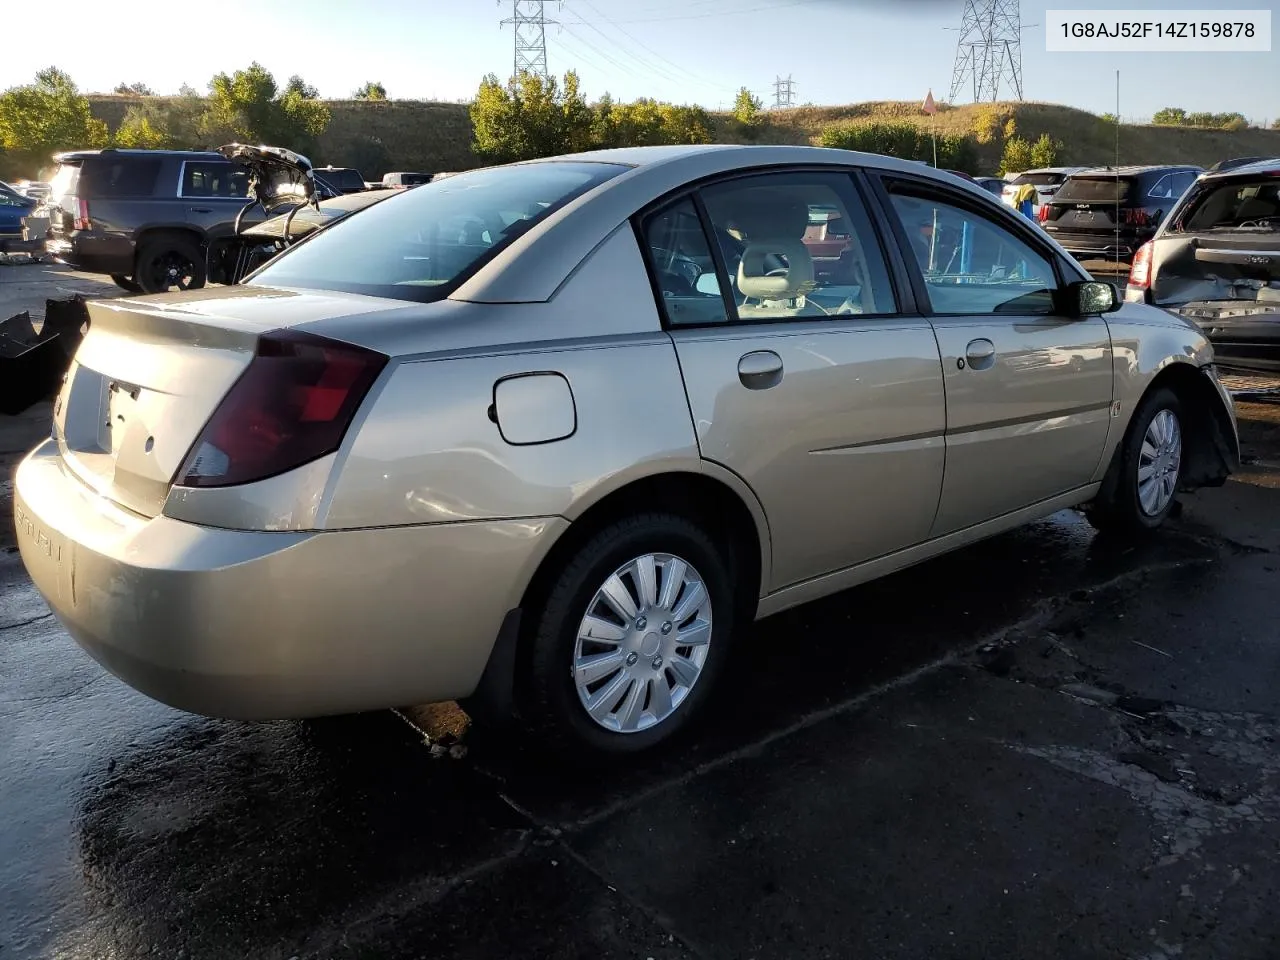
<point x="763" y="215"/>
<point x="798" y="279"/>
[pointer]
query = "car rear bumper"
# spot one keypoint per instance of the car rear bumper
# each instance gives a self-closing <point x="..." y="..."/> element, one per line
<point x="264" y="625"/>
<point x="93" y="254"/>
<point x="1096" y="246"/>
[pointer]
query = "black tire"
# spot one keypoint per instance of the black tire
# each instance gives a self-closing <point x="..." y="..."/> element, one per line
<point x="125" y="283"/>
<point x="161" y="258"/>
<point x="1117" y="508"/>
<point x="551" y="708"/>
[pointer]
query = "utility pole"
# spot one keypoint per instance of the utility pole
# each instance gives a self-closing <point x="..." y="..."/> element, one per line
<point x="989" y="50"/>
<point x="529" y="18"/>
<point x="784" y="94"/>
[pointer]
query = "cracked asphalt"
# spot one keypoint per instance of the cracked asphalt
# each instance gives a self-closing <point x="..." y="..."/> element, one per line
<point x="1044" y="745"/>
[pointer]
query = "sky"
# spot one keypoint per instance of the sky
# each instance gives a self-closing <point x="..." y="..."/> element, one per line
<point x="685" y="51"/>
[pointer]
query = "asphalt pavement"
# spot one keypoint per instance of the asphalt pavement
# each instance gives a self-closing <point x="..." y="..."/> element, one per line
<point x="1044" y="745"/>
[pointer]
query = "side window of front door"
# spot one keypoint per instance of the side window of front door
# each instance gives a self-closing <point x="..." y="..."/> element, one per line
<point x="972" y="265"/>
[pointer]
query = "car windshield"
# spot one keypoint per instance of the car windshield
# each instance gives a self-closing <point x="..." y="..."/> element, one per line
<point x="1098" y="189"/>
<point x="1251" y="204"/>
<point x="421" y="243"/>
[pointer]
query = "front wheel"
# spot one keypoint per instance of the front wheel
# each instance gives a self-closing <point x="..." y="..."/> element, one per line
<point x="1138" y="492"/>
<point x="125" y="283"/>
<point x="631" y="637"/>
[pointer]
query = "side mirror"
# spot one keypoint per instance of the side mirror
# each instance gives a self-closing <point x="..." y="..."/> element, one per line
<point x="1089" y="298"/>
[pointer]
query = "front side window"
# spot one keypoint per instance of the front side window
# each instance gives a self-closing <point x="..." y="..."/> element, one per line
<point x="972" y="265"/>
<point x="798" y="245"/>
<point x="421" y="243"/>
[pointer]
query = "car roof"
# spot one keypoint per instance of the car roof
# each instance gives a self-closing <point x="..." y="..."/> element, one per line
<point x="1051" y="170"/>
<point x="129" y="152"/>
<point x="1131" y="170"/>
<point x="534" y="265"/>
<point x="1258" y="167"/>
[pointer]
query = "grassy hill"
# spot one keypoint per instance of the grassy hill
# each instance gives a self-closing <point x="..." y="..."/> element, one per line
<point x="418" y="135"/>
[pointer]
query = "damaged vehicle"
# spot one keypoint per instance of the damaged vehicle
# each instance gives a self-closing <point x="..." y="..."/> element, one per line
<point x="548" y="437"/>
<point x="1216" y="262"/>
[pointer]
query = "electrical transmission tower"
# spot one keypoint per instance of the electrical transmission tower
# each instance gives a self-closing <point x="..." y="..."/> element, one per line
<point x="989" y="50"/>
<point x="784" y="94"/>
<point x="529" y="18"/>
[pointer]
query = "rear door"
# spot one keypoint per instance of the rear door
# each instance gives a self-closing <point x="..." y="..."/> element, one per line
<point x="213" y="192"/>
<point x="823" y="393"/>
<point x="1028" y="391"/>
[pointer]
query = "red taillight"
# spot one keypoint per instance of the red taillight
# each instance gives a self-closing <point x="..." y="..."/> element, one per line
<point x="82" y="214"/>
<point x="1043" y="215"/>
<point x="1140" y="269"/>
<point x="291" y="406"/>
<point x="1136" y="217"/>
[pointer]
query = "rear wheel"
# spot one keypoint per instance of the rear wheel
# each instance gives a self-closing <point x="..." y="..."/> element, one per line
<point x="170" y="263"/>
<point x="631" y="637"/>
<point x="126" y="283"/>
<point x="1138" y="493"/>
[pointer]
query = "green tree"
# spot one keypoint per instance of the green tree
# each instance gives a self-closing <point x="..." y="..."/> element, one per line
<point x="165" y="122"/>
<point x="41" y="118"/>
<point x="900" y="138"/>
<point x="1110" y="118"/>
<point x="247" y="106"/>
<point x="1018" y="156"/>
<point x="529" y="117"/>
<point x="746" y="112"/>
<point x="300" y="87"/>
<point x="134" y="90"/>
<point x="1170" y="117"/>
<point x="1044" y="152"/>
<point x="138" y="131"/>
<point x="372" y="90"/>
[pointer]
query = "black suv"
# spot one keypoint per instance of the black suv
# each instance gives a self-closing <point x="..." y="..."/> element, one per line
<point x="1109" y="212"/>
<point x="146" y="217"/>
<point x="346" y="179"/>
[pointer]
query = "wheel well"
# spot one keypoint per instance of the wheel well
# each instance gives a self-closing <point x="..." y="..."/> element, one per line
<point x="695" y="496"/>
<point x="1210" y="452"/>
<point x="154" y="233"/>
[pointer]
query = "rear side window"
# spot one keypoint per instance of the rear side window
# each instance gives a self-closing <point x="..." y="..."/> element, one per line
<point x="108" y="177"/>
<point x="1096" y="189"/>
<point x="343" y="179"/>
<point x="213" y="179"/>
<point x="420" y="244"/>
<point x="1251" y="204"/>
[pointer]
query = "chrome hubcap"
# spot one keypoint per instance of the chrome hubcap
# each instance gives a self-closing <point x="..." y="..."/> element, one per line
<point x="643" y="643"/>
<point x="1159" y="463"/>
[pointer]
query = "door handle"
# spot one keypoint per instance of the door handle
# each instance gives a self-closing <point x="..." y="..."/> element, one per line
<point x="981" y="354"/>
<point x="201" y="210"/>
<point x="760" y="370"/>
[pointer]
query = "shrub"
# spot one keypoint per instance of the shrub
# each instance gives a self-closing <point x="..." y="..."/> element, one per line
<point x="904" y="140"/>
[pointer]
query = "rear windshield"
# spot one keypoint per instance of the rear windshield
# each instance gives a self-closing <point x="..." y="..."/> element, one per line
<point x="1243" y="205"/>
<point x="1094" y="190"/>
<point x="1039" y="179"/>
<point x="420" y="244"/>
<point x="103" y="177"/>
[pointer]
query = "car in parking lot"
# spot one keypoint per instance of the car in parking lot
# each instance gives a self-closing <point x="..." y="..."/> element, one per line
<point x="14" y="207"/>
<point x="548" y="436"/>
<point x="1216" y="261"/>
<point x="1046" y="180"/>
<point x="1109" y="212"/>
<point x="149" y="217"/>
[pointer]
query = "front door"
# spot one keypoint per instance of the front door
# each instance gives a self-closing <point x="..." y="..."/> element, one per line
<point x="1028" y="390"/>
<point x="812" y="387"/>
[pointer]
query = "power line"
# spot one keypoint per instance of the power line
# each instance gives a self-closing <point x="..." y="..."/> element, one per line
<point x="644" y="46"/>
<point x="784" y="94"/>
<point x="529" y="18"/>
<point x="718" y="13"/>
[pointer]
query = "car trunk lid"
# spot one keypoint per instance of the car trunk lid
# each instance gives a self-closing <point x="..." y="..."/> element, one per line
<point x="1089" y="204"/>
<point x="1230" y="276"/>
<point x="150" y="373"/>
